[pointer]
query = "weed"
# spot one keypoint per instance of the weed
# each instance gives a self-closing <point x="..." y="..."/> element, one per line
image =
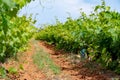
<point x="43" y="60"/>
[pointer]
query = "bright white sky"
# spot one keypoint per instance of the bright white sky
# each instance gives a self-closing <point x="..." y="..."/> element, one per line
<point x="46" y="11"/>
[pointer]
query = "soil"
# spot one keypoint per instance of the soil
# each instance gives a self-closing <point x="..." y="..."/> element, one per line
<point x="76" y="69"/>
<point x="72" y="67"/>
<point x="30" y="71"/>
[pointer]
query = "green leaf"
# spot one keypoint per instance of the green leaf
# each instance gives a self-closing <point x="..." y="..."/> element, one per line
<point x="12" y="70"/>
<point x="9" y="3"/>
<point x="2" y="72"/>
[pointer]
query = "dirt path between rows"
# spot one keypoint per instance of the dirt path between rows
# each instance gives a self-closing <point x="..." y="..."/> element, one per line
<point x="29" y="70"/>
<point x="75" y="69"/>
<point x="70" y="69"/>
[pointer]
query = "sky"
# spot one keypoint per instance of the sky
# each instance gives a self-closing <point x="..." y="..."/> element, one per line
<point x="47" y="11"/>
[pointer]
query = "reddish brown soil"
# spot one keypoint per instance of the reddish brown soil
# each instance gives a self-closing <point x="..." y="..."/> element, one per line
<point x="30" y="70"/>
<point x="77" y="70"/>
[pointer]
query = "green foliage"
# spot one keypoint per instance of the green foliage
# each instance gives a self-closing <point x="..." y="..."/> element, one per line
<point x="14" y="34"/>
<point x="14" y="31"/>
<point x="11" y="7"/>
<point x="12" y="70"/>
<point x="21" y="3"/>
<point x="98" y="33"/>
<point x="2" y="72"/>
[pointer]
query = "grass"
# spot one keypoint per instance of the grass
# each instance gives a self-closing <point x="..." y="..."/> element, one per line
<point x="43" y="60"/>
